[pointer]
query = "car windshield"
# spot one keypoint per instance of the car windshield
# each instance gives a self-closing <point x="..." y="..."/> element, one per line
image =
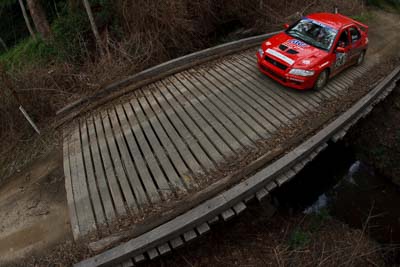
<point x="313" y="33"/>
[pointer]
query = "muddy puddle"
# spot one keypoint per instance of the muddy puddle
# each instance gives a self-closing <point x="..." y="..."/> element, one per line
<point x="339" y="184"/>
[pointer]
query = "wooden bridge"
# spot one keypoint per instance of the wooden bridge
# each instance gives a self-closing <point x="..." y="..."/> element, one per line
<point x="161" y="141"/>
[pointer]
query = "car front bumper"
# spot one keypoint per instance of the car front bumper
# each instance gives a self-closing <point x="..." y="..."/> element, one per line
<point x="283" y="77"/>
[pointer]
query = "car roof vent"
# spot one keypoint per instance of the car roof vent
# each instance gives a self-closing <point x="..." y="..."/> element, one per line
<point x="293" y="52"/>
<point x="283" y="47"/>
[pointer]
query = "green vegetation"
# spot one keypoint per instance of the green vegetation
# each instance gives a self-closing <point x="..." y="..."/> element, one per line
<point x="319" y="218"/>
<point x="364" y="17"/>
<point x="302" y="236"/>
<point x="27" y="53"/>
<point x="299" y="239"/>
<point x="385" y="4"/>
<point x="69" y="42"/>
<point x="70" y="33"/>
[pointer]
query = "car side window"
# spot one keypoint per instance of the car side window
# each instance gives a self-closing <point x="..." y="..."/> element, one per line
<point x="355" y="35"/>
<point x="344" y="39"/>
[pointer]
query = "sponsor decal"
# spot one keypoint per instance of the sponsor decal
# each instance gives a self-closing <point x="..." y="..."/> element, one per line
<point x="306" y="62"/>
<point x="280" y="56"/>
<point x="294" y="43"/>
<point x="323" y="65"/>
<point x="321" y="24"/>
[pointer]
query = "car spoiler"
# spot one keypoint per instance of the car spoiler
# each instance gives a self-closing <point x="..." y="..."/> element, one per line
<point x="362" y="26"/>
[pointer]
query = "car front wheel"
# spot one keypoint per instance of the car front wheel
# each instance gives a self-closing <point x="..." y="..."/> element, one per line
<point x="321" y="80"/>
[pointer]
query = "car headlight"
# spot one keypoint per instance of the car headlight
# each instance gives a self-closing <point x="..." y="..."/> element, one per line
<point x="261" y="52"/>
<point x="301" y="72"/>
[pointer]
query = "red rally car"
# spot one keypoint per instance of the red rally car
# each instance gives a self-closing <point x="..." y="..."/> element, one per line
<point x="313" y="49"/>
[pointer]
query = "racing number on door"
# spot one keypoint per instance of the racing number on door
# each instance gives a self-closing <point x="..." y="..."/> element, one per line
<point x="340" y="59"/>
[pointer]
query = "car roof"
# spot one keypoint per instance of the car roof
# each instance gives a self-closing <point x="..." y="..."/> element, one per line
<point x="336" y="21"/>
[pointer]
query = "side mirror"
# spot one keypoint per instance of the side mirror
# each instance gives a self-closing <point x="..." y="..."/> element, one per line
<point x="286" y="25"/>
<point x="340" y="49"/>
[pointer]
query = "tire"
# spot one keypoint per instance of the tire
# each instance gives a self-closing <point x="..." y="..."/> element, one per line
<point x="360" y="58"/>
<point x="322" y="80"/>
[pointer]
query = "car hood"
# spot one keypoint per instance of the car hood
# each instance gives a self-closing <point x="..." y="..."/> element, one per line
<point x="293" y="52"/>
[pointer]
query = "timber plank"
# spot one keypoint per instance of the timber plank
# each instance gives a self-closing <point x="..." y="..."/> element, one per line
<point x="227" y="214"/>
<point x="345" y="76"/>
<point x="108" y="168"/>
<point x="259" y="89"/>
<point x="261" y="194"/>
<point x="201" y="106"/>
<point x="271" y="186"/>
<point x="239" y="105"/>
<point x="225" y="108"/>
<point x="176" y="242"/>
<point x="163" y="182"/>
<point x="264" y="107"/>
<point x="118" y="165"/>
<point x="236" y="108"/>
<point x="94" y="192"/>
<point x="164" y="249"/>
<point x="267" y="85"/>
<point x="69" y="188"/>
<point x="213" y="109"/>
<point x="251" y="65"/>
<point x="185" y="113"/>
<point x="331" y="87"/>
<point x="183" y="149"/>
<point x="106" y="199"/>
<point x="139" y="146"/>
<point x="189" y="235"/>
<point x="339" y="79"/>
<point x="121" y="134"/>
<point x="203" y="228"/>
<point x="128" y="263"/>
<point x="199" y="136"/>
<point x="82" y="199"/>
<point x="263" y="116"/>
<point x="184" y="132"/>
<point x="168" y="146"/>
<point x="206" y="124"/>
<point x="310" y="97"/>
<point x="152" y="253"/>
<point x="139" y="258"/>
<point x="239" y="208"/>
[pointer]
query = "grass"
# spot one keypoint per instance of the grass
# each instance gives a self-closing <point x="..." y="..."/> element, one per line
<point x="299" y="239"/>
<point x="28" y="52"/>
<point x="364" y="17"/>
<point x="388" y="5"/>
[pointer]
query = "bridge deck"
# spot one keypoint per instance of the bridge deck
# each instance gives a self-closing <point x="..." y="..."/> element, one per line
<point x="158" y="143"/>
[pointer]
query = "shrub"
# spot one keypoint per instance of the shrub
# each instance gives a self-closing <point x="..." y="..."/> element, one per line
<point x="299" y="239"/>
<point x="28" y="52"/>
<point x="70" y="35"/>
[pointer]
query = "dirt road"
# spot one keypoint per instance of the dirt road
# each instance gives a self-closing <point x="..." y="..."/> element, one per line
<point x="33" y="210"/>
<point x="384" y="35"/>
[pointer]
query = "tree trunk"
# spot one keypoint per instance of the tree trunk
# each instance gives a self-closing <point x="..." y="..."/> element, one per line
<point x="27" y="21"/>
<point x="39" y="18"/>
<point x="3" y="44"/>
<point x="74" y="5"/>
<point x="93" y="25"/>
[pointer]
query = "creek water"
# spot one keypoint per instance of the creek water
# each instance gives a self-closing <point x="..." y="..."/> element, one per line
<point x="349" y="190"/>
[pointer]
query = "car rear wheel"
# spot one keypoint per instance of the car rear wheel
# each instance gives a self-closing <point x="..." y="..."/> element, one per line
<point x="361" y="58"/>
<point x="321" y="80"/>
